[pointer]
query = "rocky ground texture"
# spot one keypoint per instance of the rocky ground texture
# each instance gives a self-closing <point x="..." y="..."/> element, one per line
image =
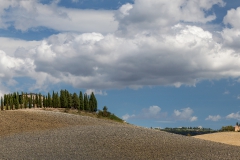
<point x="38" y="134"/>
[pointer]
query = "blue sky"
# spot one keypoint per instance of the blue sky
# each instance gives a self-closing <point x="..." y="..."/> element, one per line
<point x="153" y="63"/>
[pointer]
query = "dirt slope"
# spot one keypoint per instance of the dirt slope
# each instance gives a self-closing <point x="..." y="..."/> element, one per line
<point x="232" y="138"/>
<point x="36" y="134"/>
<point x="27" y="120"/>
<point x="18" y="121"/>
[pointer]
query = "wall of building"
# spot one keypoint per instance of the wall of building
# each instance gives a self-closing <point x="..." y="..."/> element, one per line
<point x="237" y="128"/>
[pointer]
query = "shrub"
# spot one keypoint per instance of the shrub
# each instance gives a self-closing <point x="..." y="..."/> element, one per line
<point x="227" y="128"/>
<point x="107" y="114"/>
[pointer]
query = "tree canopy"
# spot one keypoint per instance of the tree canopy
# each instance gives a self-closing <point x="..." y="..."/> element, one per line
<point x="64" y="99"/>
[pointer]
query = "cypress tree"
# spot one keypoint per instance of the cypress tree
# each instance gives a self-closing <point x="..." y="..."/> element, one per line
<point x="75" y="101"/>
<point x="53" y="100"/>
<point x="40" y="100"/>
<point x="25" y="101"/>
<point x="14" y="99"/>
<point x="4" y="98"/>
<point x="21" y="99"/>
<point x="49" y="100"/>
<point x="6" y="101"/>
<point x="44" y="102"/>
<point x="69" y="100"/>
<point x="62" y="98"/>
<point x="1" y="103"/>
<point x="17" y="101"/>
<point x="93" y="103"/>
<point x="65" y="96"/>
<point x="11" y="102"/>
<point x="58" y="101"/>
<point x="30" y="101"/>
<point x="86" y="102"/>
<point x="81" y="101"/>
<point x="36" y="100"/>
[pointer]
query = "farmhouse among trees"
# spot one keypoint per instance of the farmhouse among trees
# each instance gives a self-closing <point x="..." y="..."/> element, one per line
<point x="237" y="127"/>
<point x="64" y="99"/>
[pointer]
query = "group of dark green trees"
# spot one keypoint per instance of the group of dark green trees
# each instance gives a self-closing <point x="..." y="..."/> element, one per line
<point x="64" y="99"/>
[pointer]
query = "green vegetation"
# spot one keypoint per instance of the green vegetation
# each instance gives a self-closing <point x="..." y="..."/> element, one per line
<point x="227" y="128"/>
<point x="192" y="131"/>
<point x="189" y="131"/>
<point x="65" y="100"/>
<point x="104" y="113"/>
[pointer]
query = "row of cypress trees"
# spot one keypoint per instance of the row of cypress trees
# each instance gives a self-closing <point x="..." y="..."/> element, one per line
<point x="64" y="99"/>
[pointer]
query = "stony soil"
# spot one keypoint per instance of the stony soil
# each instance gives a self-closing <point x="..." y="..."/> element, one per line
<point x="232" y="138"/>
<point x="34" y="134"/>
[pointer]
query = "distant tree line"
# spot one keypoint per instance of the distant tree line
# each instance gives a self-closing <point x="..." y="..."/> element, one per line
<point x="64" y="99"/>
<point x="189" y="131"/>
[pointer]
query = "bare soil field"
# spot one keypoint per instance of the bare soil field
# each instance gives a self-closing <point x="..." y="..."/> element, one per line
<point x="26" y="120"/>
<point x="42" y="134"/>
<point x="231" y="138"/>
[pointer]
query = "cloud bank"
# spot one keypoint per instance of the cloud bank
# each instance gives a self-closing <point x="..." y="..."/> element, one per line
<point x="147" y="43"/>
<point x="27" y="14"/>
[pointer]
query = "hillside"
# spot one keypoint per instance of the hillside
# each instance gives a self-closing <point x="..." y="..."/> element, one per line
<point x="38" y="119"/>
<point x="231" y="138"/>
<point x="35" y="134"/>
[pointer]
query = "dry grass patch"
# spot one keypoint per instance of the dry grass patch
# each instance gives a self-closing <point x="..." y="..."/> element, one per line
<point x="232" y="138"/>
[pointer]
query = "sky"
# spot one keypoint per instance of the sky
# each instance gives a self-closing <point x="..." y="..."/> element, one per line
<point x="154" y="63"/>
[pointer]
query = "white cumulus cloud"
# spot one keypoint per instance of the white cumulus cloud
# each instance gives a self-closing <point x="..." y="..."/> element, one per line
<point x="194" y="118"/>
<point x="148" y="43"/>
<point x="213" y="118"/>
<point x="144" y="16"/>
<point x="185" y="114"/>
<point x="127" y="116"/>
<point x="234" y="116"/>
<point x="153" y="112"/>
<point x="118" y="62"/>
<point x="99" y="92"/>
<point x="232" y="16"/>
